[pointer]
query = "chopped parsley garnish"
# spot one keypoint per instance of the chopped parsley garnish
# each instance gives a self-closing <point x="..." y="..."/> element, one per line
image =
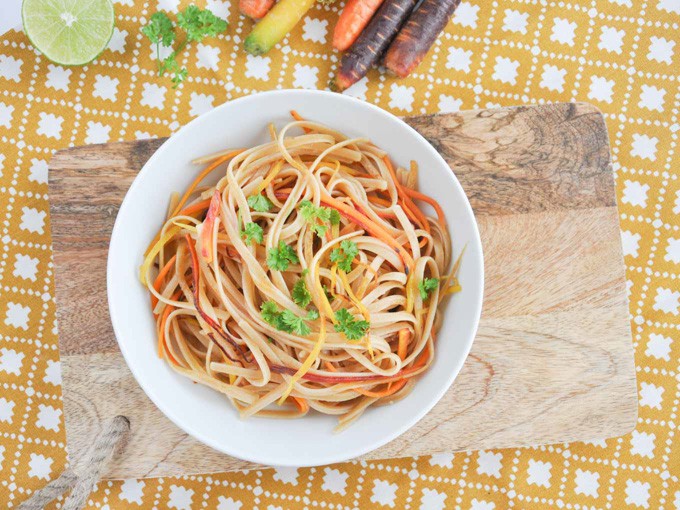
<point x="352" y="328"/>
<point x="253" y="232"/>
<point x="427" y="285"/>
<point x="345" y="255"/>
<point x="279" y="258"/>
<point x="260" y="203"/>
<point x="286" y="320"/>
<point x="300" y="294"/>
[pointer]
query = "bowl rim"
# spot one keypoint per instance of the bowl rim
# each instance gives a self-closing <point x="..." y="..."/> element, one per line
<point x="349" y="453"/>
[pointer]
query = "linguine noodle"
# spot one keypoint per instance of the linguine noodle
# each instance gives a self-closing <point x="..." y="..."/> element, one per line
<point x="306" y="278"/>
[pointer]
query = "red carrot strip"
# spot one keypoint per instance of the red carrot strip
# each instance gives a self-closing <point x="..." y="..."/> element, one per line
<point x="372" y="42"/>
<point x="418" y="35"/>
<point x="207" y="227"/>
<point x="353" y="19"/>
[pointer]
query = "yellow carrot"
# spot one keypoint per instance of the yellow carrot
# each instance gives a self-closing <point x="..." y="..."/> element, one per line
<point x="275" y="25"/>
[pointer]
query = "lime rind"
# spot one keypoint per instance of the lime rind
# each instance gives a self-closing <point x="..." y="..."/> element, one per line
<point x="69" y="32"/>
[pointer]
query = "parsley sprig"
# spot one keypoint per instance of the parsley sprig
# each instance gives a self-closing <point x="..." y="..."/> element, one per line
<point x="196" y="23"/>
<point x="300" y="294"/>
<point x="426" y="286"/>
<point x="259" y="203"/>
<point x="286" y="320"/>
<point x="345" y="255"/>
<point x="318" y="217"/>
<point x="280" y="258"/>
<point x="253" y="232"/>
<point x="352" y="328"/>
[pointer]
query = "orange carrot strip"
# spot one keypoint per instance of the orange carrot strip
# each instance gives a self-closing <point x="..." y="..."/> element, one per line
<point x="161" y="333"/>
<point x="438" y="209"/>
<point x="159" y="279"/>
<point x="297" y="117"/>
<point x="198" y="206"/>
<point x="404" y="339"/>
<point x="301" y="403"/>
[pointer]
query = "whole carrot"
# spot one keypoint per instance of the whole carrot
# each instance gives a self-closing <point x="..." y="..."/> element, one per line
<point x="372" y="42"/>
<point x="275" y="25"/>
<point x="418" y="35"/>
<point x="255" y="9"/>
<point x="353" y="19"/>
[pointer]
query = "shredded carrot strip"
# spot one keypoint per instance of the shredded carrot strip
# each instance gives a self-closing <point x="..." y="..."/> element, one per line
<point x="297" y="117"/>
<point x="198" y="206"/>
<point x="370" y="226"/>
<point x="302" y="404"/>
<point x="161" y="333"/>
<point x="438" y="209"/>
<point x="309" y="361"/>
<point x="404" y="339"/>
<point x="159" y="279"/>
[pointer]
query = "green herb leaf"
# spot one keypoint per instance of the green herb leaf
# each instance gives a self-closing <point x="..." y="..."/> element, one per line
<point x="160" y="29"/>
<point x="199" y="23"/>
<point x="426" y="286"/>
<point x="286" y="320"/>
<point x="352" y="328"/>
<point x="179" y="73"/>
<point x="253" y="232"/>
<point x="300" y="294"/>
<point x="318" y="216"/>
<point x="259" y="203"/>
<point x="345" y="255"/>
<point x="279" y="258"/>
<point x="335" y="217"/>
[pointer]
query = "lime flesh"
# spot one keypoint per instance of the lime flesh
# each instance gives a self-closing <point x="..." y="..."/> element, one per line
<point x="69" y="32"/>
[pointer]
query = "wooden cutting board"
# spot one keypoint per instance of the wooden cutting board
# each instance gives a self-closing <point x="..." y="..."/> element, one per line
<point x="553" y="358"/>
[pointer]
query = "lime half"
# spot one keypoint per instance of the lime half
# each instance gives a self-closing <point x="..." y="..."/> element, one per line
<point x="69" y="32"/>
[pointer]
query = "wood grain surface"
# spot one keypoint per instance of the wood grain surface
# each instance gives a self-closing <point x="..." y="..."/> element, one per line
<point x="553" y="358"/>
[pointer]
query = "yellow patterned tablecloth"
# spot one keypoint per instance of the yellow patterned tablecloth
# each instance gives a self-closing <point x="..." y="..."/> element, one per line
<point x="621" y="55"/>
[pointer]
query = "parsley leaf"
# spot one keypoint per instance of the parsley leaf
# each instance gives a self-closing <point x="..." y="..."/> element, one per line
<point x="160" y="29"/>
<point x="253" y="232"/>
<point x="286" y="320"/>
<point x="300" y="294"/>
<point x="345" y="255"/>
<point x="317" y="216"/>
<point x="279" y="258"/>
<point x="199" y="23"/>
<point x="259" y="203"/>
<point x="352" y="328"/>
<point x="426" y="286"/>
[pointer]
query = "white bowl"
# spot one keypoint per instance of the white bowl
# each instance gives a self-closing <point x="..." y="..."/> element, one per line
<point x="206" y="414"/>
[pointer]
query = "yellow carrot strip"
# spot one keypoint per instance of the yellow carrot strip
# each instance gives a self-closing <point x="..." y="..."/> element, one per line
<point x="360" y="306"/>
<point x="309" y="361"/>
<point x="270" y="177"/>
<point x="404" y="338"/>
<point x="319" y="289"/>
<point x="272" y="131"/>
<point x="151" y="255"/>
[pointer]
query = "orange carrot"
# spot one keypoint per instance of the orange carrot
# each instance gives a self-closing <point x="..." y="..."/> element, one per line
<point x="255" y="9"/>
<point x="197" y="207"/>
<point x="354" y="18"/>
<point x="159" y="279"/>
<point x="418" y="35"/>
<point x="298" y="117"/>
